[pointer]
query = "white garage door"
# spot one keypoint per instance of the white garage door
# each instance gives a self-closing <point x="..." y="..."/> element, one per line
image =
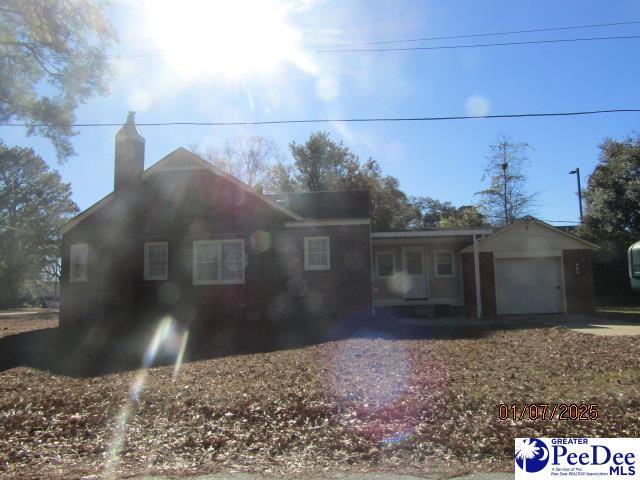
<point x="528" y="285"/>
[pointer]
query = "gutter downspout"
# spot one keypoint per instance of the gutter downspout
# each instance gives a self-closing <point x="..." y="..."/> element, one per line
<point x="476" y="271"/>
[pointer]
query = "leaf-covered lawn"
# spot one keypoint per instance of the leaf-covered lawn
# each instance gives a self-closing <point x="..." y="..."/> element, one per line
<point x="362" y="404"/>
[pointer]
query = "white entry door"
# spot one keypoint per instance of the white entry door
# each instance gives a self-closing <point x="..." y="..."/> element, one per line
<point x="528" y="285"/>
<point x="414" y="273"/>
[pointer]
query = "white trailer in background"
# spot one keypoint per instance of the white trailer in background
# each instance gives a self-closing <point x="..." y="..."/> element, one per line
<point x="634" y="266"/>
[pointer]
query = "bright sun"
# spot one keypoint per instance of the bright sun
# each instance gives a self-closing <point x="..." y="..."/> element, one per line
<point x="230" y="38"/>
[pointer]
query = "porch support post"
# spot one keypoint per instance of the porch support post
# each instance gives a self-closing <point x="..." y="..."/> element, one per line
<point x="476" y="271"/>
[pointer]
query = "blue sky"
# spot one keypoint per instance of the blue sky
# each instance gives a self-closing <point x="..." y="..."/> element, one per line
<point x="443" y="160"/>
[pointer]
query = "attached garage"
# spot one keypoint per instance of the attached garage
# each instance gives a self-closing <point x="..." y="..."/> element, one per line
<point x="529" y="267"/>
<point x="528" y="285"/>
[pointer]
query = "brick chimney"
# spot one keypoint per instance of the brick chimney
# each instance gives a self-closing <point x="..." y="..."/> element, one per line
<point x="129" y="157"/>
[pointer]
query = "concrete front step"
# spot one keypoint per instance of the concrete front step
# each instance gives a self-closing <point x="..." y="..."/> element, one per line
<point x="419" y="311"/>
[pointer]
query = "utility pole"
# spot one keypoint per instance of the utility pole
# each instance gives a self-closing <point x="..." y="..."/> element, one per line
<point x="576" y="172"/>
<point x="504" y="166"/>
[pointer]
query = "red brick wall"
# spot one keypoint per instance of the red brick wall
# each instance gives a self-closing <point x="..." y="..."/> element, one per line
<point x="180" y="207"/>
<point x="487" y="285"/>
<point x="345" y="288"/>
<point x="578" y="280"/>
<point x="176" y="207"/>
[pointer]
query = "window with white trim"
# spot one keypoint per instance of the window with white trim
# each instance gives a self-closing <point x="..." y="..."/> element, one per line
<point x="385" y="264"/>
<point x="444" y="262"/>
<point x="317" y="253"/>
<point x="218" y="262"/>
<point x="78" y="263"/>
<point x="156" y="256"/>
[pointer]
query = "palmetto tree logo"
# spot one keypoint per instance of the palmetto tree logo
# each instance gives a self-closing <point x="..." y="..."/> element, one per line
<point x="532" y="454"/>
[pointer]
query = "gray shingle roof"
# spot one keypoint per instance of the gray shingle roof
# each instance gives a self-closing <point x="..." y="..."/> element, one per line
<point x="322" y="205"/>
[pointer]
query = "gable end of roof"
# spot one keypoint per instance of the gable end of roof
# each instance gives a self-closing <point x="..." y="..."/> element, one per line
<point x="530" y="218"/>
<point x="182" y="159"/>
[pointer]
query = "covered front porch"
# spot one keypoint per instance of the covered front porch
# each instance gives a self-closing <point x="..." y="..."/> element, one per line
<point x="420" y="273"/>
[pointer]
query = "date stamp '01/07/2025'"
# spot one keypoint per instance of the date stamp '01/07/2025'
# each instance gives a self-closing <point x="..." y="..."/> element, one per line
<point x="547" y="411"/>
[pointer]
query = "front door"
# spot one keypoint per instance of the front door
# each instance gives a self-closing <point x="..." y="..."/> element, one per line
<point x="414" y="273"/>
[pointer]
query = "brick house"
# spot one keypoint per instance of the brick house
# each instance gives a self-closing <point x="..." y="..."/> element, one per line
<point x="183" y="237"/>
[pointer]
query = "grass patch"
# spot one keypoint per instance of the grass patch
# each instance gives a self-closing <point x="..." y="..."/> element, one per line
<point x="618" y="313"/>
<point x="625" y="310"/>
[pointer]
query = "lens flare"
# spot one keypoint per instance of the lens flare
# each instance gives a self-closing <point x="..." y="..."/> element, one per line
<point x="378" y="383"/>
<point x="225" y="38"/>
<point x="115" y="446"/>
<point x="183" y="346"/>
<point x="165" y="329"/>
<point x="357" y="371"/>
<point x="166" y="340"/>
<point x="119" y="431"/>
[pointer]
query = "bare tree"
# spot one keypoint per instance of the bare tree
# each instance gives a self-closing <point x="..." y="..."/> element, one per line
<point x="254" y="154"/>
<point x="249" y="159"/>
<point x="506" y="199"/>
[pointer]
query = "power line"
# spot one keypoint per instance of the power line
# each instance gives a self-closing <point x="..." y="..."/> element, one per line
<point x="365" y="50"/>
<point x="480" y="45"/>
<point x="476" y="35"/>
<point x="344" y="120"/>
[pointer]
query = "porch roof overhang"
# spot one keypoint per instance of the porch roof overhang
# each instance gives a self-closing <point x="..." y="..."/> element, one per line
<point x="432" y="233"/>
<point x="458" y="237"/>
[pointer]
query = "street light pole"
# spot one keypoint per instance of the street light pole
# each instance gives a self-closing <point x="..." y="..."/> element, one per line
<point x="576" y="172"/>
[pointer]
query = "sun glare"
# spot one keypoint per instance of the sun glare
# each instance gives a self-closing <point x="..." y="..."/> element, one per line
<point x="224" y="38"/>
